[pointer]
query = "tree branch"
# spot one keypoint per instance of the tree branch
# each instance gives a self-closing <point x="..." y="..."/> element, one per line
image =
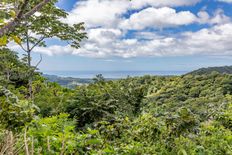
<point x="39" y="41"/>
<point x="22" y="9"/>
<point x="22" y="47"/>
<point x="41" y="59"/>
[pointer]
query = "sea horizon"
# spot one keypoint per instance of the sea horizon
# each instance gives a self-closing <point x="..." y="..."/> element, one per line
<point x="112" y="74"/>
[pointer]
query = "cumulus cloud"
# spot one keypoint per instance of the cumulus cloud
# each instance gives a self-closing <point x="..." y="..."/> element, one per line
<point x="97" y="13"/>
<point x="168" y="17"/>
<point x="156" y="14"/>
<point x="158" y="18"/>
<point x="108" y="13"/>
<point x="212" y="41"/>
<point x="218" y="18"/>
<point x="103" y="36"/>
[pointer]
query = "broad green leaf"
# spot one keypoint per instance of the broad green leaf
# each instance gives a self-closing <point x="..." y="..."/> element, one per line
<point x="3" y="41"/>
<point x="12" y="13"/>
<point x="17" y="39"/>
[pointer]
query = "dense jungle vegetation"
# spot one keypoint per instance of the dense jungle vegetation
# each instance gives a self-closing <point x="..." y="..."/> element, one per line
<point x="172" y="115"/>
<point x="189" y="114"/>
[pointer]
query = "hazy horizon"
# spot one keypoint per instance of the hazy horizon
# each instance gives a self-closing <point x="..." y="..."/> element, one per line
<point x="111" y="74"/>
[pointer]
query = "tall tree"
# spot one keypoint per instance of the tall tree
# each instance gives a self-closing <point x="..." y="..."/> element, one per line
<point x="43" y="25"/>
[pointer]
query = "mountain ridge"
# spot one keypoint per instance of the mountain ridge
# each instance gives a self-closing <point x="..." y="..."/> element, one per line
<point x="209" y="70"/>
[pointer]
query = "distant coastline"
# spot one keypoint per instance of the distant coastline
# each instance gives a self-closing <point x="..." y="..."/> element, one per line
<point x="111" y="74"/>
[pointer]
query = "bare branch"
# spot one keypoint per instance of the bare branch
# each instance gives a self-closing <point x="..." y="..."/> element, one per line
<point x="41" y="59"/>
<point x="39" y="41"/>
<point x="22" y="48"/>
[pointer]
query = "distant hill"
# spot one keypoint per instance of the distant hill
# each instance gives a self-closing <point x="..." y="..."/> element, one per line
<point x="71" y="82"/>
<point x="221" y="70"/>
<point x="68" y="82"/>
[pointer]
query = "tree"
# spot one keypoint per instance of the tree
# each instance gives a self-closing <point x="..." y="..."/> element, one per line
<point x="8" y="64"/>
<point x="12" y="70"/>
<point x="44" y="25"/>
<point x="17" y="12"/>
<point x="14" y="113"/>
<point x="99" y="78"/>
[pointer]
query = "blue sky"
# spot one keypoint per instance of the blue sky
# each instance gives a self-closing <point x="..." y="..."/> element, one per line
<point x="149" y="35"/>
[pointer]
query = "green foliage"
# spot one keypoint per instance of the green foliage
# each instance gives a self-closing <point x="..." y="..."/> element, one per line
<point x="202" y="95"/>
<point x="49" y="133"/>
<point x="106" y="100"/>
<point x="14" y="14"/>
<point x="225" y="116"/>
<point x="14" y="113"/>
<point x="12" y="70"/>
<point x="47" y="24"/>
<point x="180" y="115"/>
<point x="50" y="97"/>
<point x="56" y="135"/>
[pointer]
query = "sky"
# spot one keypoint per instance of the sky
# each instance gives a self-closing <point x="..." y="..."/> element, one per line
<point x="144" y="35"/>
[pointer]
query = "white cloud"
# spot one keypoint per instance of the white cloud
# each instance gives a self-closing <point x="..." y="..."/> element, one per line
<point x="168" y="17"/>
<point x="218" y="18"/>
<point x="103" y="35"/>
<point x="156" y="14"/>
<point x="137" y="4"/>
<point x="158" y="18"/>
<point x="212" y="41"/>
<point x="54" y="50"/>
<point x="227" y="1"/>
<point x="97" y="13"/>
<point x="108" y="13"/>
<point x="108" y="35"/>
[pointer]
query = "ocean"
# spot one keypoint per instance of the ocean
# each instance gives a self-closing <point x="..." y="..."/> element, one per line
<point x="111" y="74"/>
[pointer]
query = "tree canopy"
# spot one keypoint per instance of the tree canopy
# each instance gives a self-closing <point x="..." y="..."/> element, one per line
<point x="14" y="12"/>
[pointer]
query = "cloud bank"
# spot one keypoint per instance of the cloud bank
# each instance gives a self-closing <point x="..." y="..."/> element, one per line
<point x="119" y="28"/>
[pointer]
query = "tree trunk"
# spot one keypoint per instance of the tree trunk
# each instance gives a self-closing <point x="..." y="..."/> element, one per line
<point x="8" y="76"/>
<point x="32" y="145"/>
<point x="31" y="72"/>
<point x="25" y="142"/>
<point x="11" y="143"/>
<point x="48" y="144"/>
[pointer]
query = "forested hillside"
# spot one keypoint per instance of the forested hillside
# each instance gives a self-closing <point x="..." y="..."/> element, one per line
<point x="145" y="115"/>
<point x="71" y="82"/>
<point x="209" y="70"/>
<point x="149" y="115"/>
<point x="68" y="82"/>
